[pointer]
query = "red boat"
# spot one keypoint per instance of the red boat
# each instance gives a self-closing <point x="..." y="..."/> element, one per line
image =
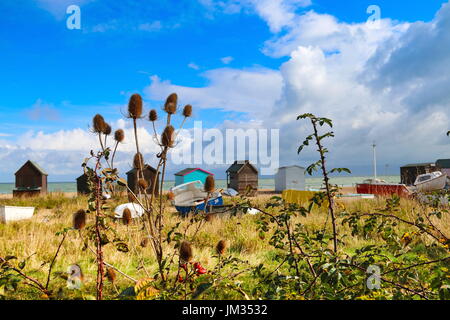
<point x="382" y="188"/>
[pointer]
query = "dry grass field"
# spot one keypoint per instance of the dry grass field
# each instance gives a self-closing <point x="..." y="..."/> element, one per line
<point x="35" y="241"/>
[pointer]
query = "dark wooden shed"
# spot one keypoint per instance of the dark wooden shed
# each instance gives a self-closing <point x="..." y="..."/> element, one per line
<point x="444" y="166"/>
<point x="31" y="180"/>
<point x="409" y="173"/>
<point x="241" y="175"/>
<point x="83" y="184"/>
<point x="149" y="176"/>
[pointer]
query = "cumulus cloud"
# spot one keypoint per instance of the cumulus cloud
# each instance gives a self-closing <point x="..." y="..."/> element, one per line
<point x="252" y="90"/>
<point x="41" y="110"/>
<point x="387" y="83"/>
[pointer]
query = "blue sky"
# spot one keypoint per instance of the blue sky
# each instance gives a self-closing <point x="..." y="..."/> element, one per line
<point x="55" y="79"/>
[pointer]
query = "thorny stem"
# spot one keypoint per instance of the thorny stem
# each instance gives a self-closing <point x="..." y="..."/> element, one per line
<point x="54" y="259"/>
<point x="100" y="270"/>
<point x="326" y="181"/>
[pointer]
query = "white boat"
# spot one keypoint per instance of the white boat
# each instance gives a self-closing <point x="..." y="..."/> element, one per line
<point x="190" y="197"/>
<point x="136" y="210"/>
<point x="9" y="213"/>
<point x="431" y="182"/>
<point x="374" y="181"/>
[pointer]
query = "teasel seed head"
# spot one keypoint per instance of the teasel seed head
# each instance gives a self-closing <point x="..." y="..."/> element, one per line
<point x="138" y="161"/>
<point x="208" y="217"/>
<point x="98" y="124"/>
<point x="153" y="115"/>
<point x="107" y="131"/>
<point x="168" y="137"/>
<point x="187" y="111"/>
<point x="126" y="216"/>
<point x="119" y="135"/>
<point x="132" y="197"/>
<point x="185" y="252"/>
<point x="221" y="247"/>
<point x="144" y="242"/>
<point x="143" y="184"/>
<point x="171" y="104"/>
<point x="135" y="106"/>
<point x="111" y="275"/>
<point x="209" y="184"/>
<point x="79" y="220"/>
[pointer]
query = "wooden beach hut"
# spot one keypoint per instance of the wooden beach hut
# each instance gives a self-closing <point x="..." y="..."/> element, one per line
<point x="31" y="180"/>
<point x="290" y="178"/>
<point x="149" y="176"/>
<point x="409" y="173"/>
<point x="190" y="175"/>
<point x="83" y="184"/>
<point x="242" y="175"/>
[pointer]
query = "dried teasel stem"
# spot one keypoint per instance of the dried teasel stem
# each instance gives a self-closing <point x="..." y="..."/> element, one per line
<point x="119" y="136"/>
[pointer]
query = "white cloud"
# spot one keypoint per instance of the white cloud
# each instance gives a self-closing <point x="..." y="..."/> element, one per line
<point x="58" y="7"/>
<point x="153" y="26"/>
<point x="227" y="60"/>
<point x="41" y="110"/>
<point x="194" y="66"/>
<point x="253" y="90"/>
<point x="388" y="84"/>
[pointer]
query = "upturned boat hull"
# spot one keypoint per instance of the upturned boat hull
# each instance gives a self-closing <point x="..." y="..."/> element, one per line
<point x="385" y="190"/>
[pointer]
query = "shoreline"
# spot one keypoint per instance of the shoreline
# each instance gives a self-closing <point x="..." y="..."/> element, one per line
<point x="261" y="192"/>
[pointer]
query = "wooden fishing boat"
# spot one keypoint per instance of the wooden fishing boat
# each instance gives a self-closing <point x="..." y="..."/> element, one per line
<point x="190" y="197"/>
<point x="10" y="213"/>
<point x="431" y="182"/>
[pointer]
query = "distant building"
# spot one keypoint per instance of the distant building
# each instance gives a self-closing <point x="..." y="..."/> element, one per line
<point x="444" y="166"/>
<point x="149" y="176"/>
<point x="242" y="175"/>
<point x="83" y="184"/>
<point x="409" y="173"/>
<point x="190" y="175"/>
<point x="31" y="180"/>
<point x="290" y="178"/>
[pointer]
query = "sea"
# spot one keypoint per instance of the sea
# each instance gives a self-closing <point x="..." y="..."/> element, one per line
<point x="269" y="184"/>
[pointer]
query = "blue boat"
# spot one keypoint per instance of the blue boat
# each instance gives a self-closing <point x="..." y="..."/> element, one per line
<point x="190" y="198"/>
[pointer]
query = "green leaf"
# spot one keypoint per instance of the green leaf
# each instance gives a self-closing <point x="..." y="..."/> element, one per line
<point x="201" y="289"/>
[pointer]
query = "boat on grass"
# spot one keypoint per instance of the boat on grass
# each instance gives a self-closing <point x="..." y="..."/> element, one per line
<point x="10" y="213"/>
<point x="190" y="197"/>
<point x="431" y="182"/>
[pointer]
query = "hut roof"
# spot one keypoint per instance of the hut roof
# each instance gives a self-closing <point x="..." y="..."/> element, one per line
<point x="413" y="165"/>
<point x="443" y="163"/>
<point x="36" y="166"/>
<point x="238" y="165"/>
<point x="146" y="167"/>
<point x="189" y="170"/>
<point x="295" y="166"/>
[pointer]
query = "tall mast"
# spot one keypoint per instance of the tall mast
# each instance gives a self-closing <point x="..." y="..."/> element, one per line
<point x="374" y="160"/>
